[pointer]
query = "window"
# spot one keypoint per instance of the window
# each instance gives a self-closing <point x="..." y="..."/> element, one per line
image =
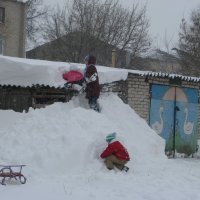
<point x="1" y="46"/>
<point x="2" y="15"/>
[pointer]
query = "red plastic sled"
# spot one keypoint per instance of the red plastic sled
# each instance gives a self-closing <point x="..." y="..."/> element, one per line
<point x="73" y="76"/>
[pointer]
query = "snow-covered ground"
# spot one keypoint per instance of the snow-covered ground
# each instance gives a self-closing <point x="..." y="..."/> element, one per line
<point x="60" y="145"/>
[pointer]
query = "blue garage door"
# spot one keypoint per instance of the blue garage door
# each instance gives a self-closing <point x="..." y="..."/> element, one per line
<point x="174" y="116"/>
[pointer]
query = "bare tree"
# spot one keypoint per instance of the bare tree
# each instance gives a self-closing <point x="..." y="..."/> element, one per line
<point x="35" y="11"/>
<point x="99" y="26"/>
<point x="56" y="24"/>
<point x="189" y="36"/>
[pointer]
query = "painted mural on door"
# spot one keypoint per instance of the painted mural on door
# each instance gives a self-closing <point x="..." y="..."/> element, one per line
<point x="174" y="116"/>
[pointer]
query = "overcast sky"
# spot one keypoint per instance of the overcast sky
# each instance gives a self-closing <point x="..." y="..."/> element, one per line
<point x="164" y="15"/>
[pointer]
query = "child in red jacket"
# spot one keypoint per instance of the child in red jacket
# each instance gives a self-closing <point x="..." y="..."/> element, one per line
<point x="115" y="154"/>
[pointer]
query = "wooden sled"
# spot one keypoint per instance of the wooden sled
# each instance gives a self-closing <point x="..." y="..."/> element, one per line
<point x="8" y="172"/>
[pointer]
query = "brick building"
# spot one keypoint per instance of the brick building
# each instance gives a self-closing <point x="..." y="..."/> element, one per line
<point x="170" y="105"/>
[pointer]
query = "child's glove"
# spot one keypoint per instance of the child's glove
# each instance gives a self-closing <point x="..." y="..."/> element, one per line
<point x="84" y="84"/>
<point x="92" y="78"/>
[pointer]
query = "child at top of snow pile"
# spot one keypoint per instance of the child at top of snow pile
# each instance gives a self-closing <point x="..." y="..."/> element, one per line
<point x="115" y="154"/>
<point x="92" y="82"/>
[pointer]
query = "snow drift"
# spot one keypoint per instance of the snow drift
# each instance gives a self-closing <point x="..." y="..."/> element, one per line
<point x="66" y="137"/>
<point x="61" y="143"/>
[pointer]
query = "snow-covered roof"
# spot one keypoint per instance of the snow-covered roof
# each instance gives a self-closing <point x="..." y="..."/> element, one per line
<point x="165" y="75"/>
<point x="22" y="1"/>
<point x="28" y="72"/>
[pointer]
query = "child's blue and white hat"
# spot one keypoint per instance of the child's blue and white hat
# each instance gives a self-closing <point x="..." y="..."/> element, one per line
<point x="110" y="137"/>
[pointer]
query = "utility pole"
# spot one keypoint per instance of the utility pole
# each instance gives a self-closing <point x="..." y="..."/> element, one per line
<point x="113" y="58"/>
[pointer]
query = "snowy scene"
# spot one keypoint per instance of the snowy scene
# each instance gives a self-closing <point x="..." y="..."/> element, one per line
<point x="61" y="146"/>
<point x="99" y="100"/>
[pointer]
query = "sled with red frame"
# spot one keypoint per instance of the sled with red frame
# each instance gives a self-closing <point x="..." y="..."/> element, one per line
<point x="8" y="172"/>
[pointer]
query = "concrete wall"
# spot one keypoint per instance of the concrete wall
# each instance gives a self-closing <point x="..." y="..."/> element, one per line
<point x="13" y="30"/>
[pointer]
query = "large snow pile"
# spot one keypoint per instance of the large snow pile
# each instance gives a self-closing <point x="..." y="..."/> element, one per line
<point x="61" y="143"/>
<point x="66" y="138"/>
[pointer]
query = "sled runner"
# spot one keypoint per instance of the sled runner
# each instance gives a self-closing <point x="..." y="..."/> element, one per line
<point x="74" y="80"/>
<point x="8" y="172"/>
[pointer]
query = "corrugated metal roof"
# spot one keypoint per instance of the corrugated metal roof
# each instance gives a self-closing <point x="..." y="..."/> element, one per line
<point x="165" y="75"/>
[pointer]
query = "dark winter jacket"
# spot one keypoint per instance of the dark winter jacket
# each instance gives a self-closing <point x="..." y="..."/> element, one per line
<point x="117" y="149"/>
<point x="92" y="82"/>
